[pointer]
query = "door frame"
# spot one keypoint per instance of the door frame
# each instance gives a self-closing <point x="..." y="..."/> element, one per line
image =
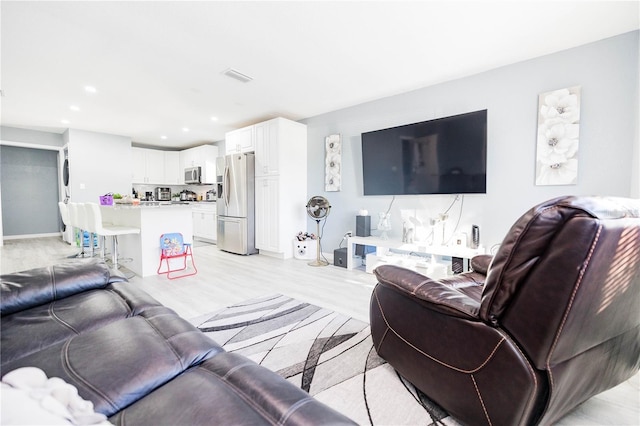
<point x="60" y="150"/>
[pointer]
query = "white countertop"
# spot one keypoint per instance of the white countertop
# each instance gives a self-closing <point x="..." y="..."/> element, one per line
<point x="157" y="204"/>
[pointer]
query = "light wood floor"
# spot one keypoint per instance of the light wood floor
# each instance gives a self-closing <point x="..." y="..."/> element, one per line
<point x="224" y="279"/>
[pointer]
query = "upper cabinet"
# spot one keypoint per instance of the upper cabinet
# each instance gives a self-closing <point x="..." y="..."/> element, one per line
<point x="267" y="148"/>
<point x="203" y="156"/>
<point x="241" y="140"/>
<point x="281" y="147"/>
<point x="172" y="171"/>
<point x="154" y="166"/>
<point x="148" y="166"/>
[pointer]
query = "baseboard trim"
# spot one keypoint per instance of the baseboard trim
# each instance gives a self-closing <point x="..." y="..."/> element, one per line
<point x="27" y="236"/>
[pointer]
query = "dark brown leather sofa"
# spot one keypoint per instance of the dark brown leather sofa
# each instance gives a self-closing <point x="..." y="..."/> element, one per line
<point x="135" y="359"/>
<point x="553" y="319"/>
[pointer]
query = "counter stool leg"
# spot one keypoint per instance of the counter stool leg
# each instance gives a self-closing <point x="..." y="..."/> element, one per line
<point x="115" y="252"/>
<point x="102" y="240"/>
<point x="80" y="241"/>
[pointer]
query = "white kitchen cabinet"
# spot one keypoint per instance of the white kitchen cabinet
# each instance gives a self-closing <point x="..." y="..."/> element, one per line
<point x="148" y="166"/>
<point x="281" y="147"/>
<point x="281" y="185"/>
<point x="241" y="140"/>
<point x="267" y="148"/>
<point x="267" y="195"/>
<point x="189" y="158"/>
<point x="205" y="221"/>
<point x="172" y="169"/>
<point x="203" y="156"/>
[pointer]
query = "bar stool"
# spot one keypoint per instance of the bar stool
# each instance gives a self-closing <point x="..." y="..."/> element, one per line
<point x="108" y="230"/>
<point x="75" y="222"/>
<point x="89" y="225"/>
<point x="64" y="213"/>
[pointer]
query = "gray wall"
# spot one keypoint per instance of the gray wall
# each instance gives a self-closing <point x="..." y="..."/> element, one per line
<point x="36" y="137"/>
<point x="29" y="191"/>
<point x="98" y="163"/>
<point x="608" y="157"/>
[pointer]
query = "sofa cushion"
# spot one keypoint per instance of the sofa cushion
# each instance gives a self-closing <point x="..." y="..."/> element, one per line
<point x="121" y="362"/>
<point x="31" y="330"/>
<point x="229" y="389"/>
<point x="24" y="290"/>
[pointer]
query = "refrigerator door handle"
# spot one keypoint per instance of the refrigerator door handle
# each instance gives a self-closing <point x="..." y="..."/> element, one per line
<point x="226" y="191"/>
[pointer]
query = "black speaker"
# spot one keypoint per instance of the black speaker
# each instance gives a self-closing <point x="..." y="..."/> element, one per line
<point x="475" y="237"/>
<point x="363" y="226"/>
<point x="457" y="265"/>
<point x="340" y="257"/>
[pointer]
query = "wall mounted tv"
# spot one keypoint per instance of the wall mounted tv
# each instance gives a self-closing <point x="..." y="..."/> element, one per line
<point x="443" y="156"/>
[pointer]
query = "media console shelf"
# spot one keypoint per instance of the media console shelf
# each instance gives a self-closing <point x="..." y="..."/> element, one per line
<point x="383" y="246"/>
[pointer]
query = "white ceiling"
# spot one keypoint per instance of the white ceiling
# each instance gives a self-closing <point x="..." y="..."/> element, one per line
<point x="157" y="66"/>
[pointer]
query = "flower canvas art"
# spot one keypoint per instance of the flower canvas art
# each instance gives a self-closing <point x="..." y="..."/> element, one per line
<point x="557" y="141"/>
<point x="333" y="163"/>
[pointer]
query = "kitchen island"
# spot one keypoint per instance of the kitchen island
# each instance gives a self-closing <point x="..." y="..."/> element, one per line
<point x="141" y="252"/>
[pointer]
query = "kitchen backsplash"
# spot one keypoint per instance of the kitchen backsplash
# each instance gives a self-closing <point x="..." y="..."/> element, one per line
<point x="200" y="190"/>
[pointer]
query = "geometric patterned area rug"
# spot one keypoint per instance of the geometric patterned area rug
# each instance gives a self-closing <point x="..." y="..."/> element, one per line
<point x="329" y="355"/>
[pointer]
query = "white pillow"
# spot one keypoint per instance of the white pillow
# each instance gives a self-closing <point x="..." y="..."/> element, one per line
<point x="28" y="397"/>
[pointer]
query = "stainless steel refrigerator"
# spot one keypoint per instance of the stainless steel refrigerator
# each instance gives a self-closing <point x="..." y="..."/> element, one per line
<point x="236" y="203"/>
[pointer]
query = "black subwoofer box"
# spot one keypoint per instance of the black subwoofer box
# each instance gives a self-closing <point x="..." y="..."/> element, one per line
<point x="457" y="265"/>
<point x="340" y="257"/>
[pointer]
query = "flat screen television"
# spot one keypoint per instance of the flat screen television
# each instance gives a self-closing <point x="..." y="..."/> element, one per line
<point x="443" y="156"/>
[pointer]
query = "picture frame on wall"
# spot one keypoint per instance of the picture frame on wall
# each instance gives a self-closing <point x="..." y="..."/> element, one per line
<point x="333" y="163"/>
<point x="558" y="137"/>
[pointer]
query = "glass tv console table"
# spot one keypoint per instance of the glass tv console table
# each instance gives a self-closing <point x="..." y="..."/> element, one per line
<point x="424" y="258"/>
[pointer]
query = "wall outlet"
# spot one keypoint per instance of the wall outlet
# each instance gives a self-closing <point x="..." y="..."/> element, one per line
<point x="349" y="234"/>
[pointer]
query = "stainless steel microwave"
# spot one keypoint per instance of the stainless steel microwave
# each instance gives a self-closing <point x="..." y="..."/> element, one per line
<point x="192" y="175"/>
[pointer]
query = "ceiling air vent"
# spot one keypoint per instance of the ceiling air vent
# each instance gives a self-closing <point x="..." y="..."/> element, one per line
<point x="237" y="75"/>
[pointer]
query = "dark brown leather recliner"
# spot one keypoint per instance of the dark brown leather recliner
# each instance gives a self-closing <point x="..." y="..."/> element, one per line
<point x="553" y="319"/>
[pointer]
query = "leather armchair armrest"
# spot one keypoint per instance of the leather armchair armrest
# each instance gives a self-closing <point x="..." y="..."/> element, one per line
<point x="481" y="263"/>
<point x="432" y="294"/>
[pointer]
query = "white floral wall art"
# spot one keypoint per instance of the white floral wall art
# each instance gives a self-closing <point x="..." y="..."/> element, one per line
<point x="557" y="144"/>
<point x="332" y="163"/>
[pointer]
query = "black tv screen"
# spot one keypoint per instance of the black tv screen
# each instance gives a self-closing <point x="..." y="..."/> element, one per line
<point x="443" y="156"/>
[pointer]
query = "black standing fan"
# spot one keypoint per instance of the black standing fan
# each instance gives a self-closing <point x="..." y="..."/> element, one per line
<point x="318" y="208"/>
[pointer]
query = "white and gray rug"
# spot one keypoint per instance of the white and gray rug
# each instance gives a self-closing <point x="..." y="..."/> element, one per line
<point x="327" y="354"/>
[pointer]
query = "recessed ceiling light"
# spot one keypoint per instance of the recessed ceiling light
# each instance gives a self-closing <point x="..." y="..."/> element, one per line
<point x="185" y="129"/>
<point x="90" y="89"/>
<point x="74" y="108"/>
<point x="65" y="121"/>
<point x="163" y="137"/>
<point x="214" y="118"/>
